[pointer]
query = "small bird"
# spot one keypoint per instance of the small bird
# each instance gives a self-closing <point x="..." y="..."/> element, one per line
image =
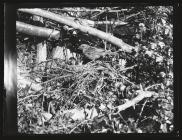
<point x="93" y="53"/>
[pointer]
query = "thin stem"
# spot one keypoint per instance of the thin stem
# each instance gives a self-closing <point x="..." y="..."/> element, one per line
<point x="77" y="126"/>
<point x="142" y="110"/>
<point x="152" y="86"/>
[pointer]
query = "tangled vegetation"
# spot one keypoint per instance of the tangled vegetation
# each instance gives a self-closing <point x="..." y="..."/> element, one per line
<point x="125" y="93"/>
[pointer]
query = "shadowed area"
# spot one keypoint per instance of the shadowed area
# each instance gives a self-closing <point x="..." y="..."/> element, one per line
<point x="10" y="127"/>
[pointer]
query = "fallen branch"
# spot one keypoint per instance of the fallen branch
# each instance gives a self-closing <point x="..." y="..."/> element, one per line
<point x="37" y="31"/>
<point x="77" y="25"/>
<point x="141" y="95"/>
<point x="88" y="10"/>
<point x="92" y="23"/>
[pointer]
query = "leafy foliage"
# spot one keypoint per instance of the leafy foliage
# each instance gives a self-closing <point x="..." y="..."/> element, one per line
<point x="103" y="84"/>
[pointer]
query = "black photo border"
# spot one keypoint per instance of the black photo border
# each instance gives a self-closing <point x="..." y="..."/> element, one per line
<point x="8" y="15"/>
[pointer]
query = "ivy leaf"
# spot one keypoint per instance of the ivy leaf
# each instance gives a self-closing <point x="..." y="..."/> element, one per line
<point x="122" y="62"/>
<point x="161" y="44"/>
<point x="153" y="46"/>
<point x="149" y="53"/>
<point x="159" y="59"/>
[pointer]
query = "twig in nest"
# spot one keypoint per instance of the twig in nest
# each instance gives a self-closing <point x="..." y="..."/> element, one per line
<point x="131" y="67"/>
<point x="29" y="97"/>
<point x="125" y="78"/>
<point x="56" y="78"/>
<point x="67" y="70"/>
<point x="77" y="126"/>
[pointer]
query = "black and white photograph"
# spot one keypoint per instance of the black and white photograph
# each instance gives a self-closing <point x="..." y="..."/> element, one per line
<point x="94" y="69"/>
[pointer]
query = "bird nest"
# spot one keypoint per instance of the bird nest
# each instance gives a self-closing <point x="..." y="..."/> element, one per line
<point x="64" y="95"/>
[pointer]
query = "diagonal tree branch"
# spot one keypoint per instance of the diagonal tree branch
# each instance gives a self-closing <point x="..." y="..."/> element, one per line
<point x="86" y="29"/>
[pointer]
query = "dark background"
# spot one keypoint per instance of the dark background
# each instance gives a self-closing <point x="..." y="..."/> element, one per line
<point x="8" y="15"/>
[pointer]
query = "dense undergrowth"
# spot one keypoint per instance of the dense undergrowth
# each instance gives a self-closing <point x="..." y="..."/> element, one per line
<point x="82" y="98"/>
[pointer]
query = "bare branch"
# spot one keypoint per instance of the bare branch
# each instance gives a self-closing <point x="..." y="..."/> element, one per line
<point x="88" y="10"/>
<point x="141" y="95"/>
<point x="37" y="31"/>
<point x="86" y="29"/>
